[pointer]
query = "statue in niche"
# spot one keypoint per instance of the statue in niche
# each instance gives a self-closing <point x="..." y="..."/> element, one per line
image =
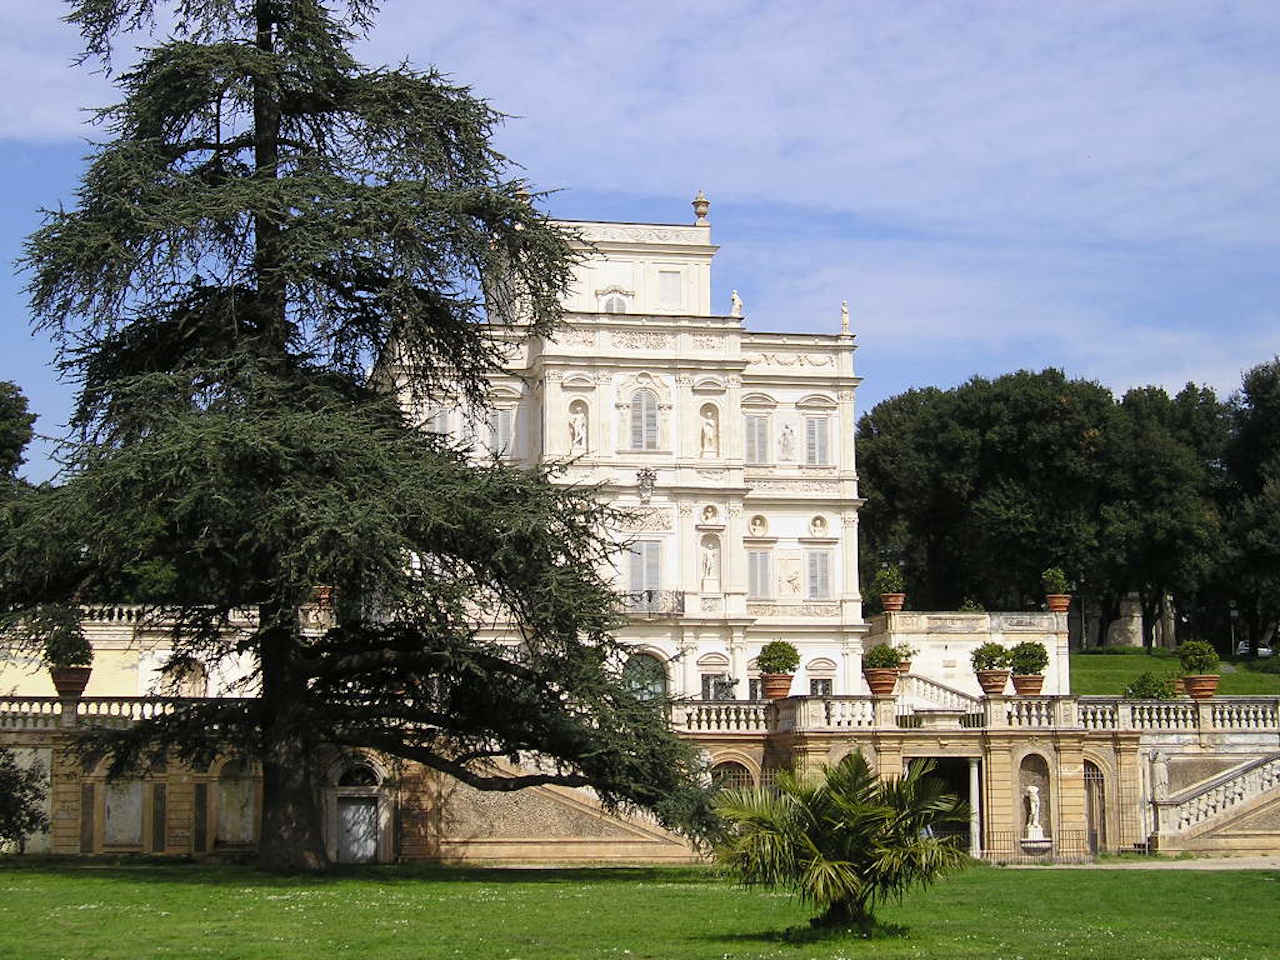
<point x="1035" y="831"/>
<point x="710" y="559"/>
<point x="1159" y="775"/>
<point x="709" y="514"/>
<point x="710" y="434"/>
<point x="787" y="443"/>
<point x="577" y="430"/>
<point x="735" y="304"/>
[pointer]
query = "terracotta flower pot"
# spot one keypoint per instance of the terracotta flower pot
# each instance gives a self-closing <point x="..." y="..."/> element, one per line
<point x="1179" y="686"/>
<point x="1201" y="686"/>
<point x="881" y="680"/>
<point x="775" y="686"/>
<point x="70" y="681"/>
<point x="892" y="601"/>
<point x="1058" y="602"/>
<point x="904" y="667"/>
<point x="992" y="681"/>
<point x="1028" y="684"/>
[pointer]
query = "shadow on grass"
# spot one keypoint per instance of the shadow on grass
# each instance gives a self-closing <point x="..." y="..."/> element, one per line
<point x="809" y="934"/>
<point x="184" y="870"/>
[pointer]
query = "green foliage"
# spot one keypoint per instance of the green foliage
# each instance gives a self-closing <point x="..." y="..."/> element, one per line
<point x="1028" y="658"/>
<point x="889" y="580"/>
<point x="990" y="656"/>
<point x="15" y="429"/>
<point x="846" y="841"/>
<point x="278" y="260"/>
<point x="52" y="629"/>
<point x="778" y="656"/>
<point x="1198" y="657"/>
<point x="969" y="605"/>
<point x="905" y="652"/>
<point x="22" y="796"/>
<point x="881" y="657"/>
<point x="1151" y="686"/>
<point x="1054" y="581"/>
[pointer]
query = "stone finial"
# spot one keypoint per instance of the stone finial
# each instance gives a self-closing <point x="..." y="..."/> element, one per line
<point x="700" y="207"/>
<point x="844" y="316"/>
<point x="735" y="304"/>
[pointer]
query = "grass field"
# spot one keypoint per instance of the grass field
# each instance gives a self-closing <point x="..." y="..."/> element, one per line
<point x="50" y="911"/>
<point x="1107" y="674"/>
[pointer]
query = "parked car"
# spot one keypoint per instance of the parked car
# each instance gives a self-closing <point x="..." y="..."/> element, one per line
<point x="1242" y="649"/>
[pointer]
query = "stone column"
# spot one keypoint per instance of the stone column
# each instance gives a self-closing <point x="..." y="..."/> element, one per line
<point x="738" y="663"/>
<point x="975" y="809"/>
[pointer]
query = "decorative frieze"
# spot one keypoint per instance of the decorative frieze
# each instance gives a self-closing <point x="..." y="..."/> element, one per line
<point x="830" y="488"/>
<point x="809" y="609"/>
<point x="646" y="518"/>
<point x="790" y="359"/>
<point x="625" y="233"/>
<point x="641" y="340"/>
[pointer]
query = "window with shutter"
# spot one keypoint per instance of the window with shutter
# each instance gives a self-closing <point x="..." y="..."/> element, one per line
<point x="758" y="585"/>
<point x="644" y="420"/>
<point x="646" y="565"/>
<point x="819" y="574"/>
<point x="815" y="440"/>
<point x="501" y="430"/>
<point x="756" y="448"/>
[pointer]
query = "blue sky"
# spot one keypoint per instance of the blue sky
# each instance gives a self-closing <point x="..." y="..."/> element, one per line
<point x="991" y="185"/>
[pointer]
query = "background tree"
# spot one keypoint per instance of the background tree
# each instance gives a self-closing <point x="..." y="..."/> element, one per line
<point x="22" y="796"/>
<point x="845" y="841"/>
<point x="15" y="433"/>
<point x="270" y="222"/>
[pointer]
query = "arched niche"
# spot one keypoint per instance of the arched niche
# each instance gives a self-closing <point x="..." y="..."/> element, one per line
<point x="709" y="560"/>
<point x="1035" y="800"/>
<point x="579" y="424"/>
<point x="709" y="431"/>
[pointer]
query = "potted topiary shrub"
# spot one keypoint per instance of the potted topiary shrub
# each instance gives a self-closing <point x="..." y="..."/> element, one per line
<point x="905" y="652"/>
<point x="66" y="650"/>
<point x="890" y="585"/>
<point x="880" y="668"/>
<point x="1199" y="668"/>
<point x="1055" y="590"/>
<point x="991" y="664"/>
<point x="1028" y="660"/>
<point x="777" y="661"/>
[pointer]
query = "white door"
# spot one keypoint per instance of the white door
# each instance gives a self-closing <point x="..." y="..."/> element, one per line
<point x="357" y="829"/>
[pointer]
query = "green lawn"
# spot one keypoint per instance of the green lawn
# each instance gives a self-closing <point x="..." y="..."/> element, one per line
<point x="50" y="911"/>
<point x="1107" y="674"/>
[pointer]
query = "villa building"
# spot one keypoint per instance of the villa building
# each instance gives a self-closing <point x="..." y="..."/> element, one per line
<point x="730" y="451"/>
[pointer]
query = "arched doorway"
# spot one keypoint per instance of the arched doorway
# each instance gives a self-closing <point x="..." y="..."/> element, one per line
<point x="646" y="675"/>
<point x="1095" y="807"/>
<point x="732" y="775"/>
<point x="359" y="812"/>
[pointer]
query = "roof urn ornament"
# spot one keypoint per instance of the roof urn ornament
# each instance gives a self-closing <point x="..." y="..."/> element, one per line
<point x="700" y="207"/>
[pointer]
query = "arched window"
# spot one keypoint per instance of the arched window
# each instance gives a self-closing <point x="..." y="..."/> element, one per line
<point x="615" y="304"/>
<point x="732" y="775"/>
<point x="646" y="676"/>
<point x="358" y="775"/>
<point x="644" y="420"/>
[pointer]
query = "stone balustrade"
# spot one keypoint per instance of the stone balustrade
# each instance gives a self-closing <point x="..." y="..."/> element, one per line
<point x="831" y="714"/>
<point x="1207" y="802"/>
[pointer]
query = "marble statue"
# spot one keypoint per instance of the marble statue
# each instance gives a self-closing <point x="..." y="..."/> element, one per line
<point x="710" y="435"/>
<point x="735" y="301"/>
<point x="578" y="431"/>
<point x="787" y="443"/>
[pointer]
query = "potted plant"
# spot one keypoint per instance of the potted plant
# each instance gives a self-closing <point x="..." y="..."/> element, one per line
<point x="1055" y="590"/>
<point x="1028" y="660"/>
<point x="1199" y="668"/>
<point x="905" y="652"/>
<point x="66" y="650"/>
<point x="777" y="662"/>
<point x="991" y="664"/>
<point x="880" y="668"/>
<point x="890" y="585"/>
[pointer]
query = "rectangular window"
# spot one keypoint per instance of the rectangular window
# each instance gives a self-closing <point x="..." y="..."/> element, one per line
<point x="669" y="288"/>
<point x="819" y="564"/>
<point x="645" y="573"/>
<point x="501" y="431"/>
<point x="759" y="585"/>
<point x="815" y="441"/>
<point x="439" y="422"/>
<point x="820" y="687"/>
<point x="717" y="686"/>
<point x="756" y="447"/>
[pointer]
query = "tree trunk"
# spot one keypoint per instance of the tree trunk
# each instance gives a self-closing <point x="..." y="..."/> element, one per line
<point x="845" y="913"/>
<point x="291" y="839"/>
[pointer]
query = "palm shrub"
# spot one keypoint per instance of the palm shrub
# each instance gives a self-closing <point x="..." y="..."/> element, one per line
<point x="844" y="841"/>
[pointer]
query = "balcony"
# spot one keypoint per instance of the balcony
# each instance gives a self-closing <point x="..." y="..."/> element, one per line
<point x="653" y="604"/>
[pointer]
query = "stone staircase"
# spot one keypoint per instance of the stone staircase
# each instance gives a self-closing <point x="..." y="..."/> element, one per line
<point x="1238" y="810"/>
